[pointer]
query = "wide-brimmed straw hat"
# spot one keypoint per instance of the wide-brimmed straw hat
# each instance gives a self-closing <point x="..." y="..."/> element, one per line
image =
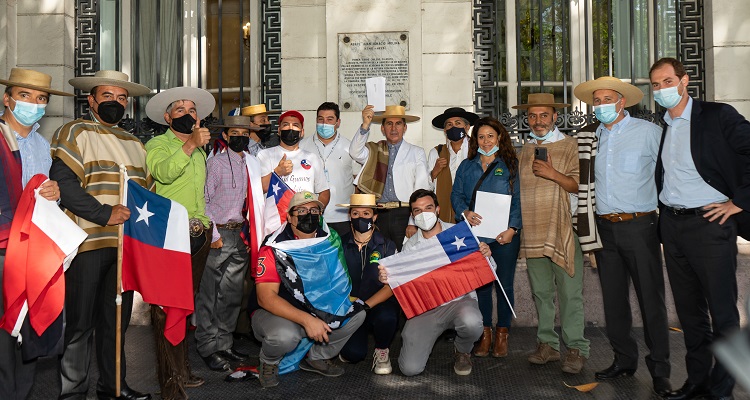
<point x="157" y="105"/>
<point x="304" y="197"/>
<point x="109" y="78"/>
<point x="439" y="121"/>
<point x="541" y="100"/>
<point x="256" y="109"/>
<point x="395" y="112"/>
<point x="585" y="91"/>
<point x="363" y="200"/>
<point x="30" y="79"/>
<point x="236" y="121"/>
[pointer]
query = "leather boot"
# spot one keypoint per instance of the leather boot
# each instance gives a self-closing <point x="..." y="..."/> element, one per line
<point x="482" y="347"/>
<point x="500" y="349"/>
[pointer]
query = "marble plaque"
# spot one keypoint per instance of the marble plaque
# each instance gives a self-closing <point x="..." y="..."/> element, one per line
<point x="367" y="55"/>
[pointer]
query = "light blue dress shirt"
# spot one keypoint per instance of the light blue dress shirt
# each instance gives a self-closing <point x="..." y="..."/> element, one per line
<point x="389" y="191"/>
<point x="625" y="164"/>
<point x="35" y="154"/>
<point x="683" y="185"/>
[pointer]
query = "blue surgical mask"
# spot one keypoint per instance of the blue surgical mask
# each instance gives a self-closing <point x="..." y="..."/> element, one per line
<point x="28" y="114"/>
<point x="325" y="131"/>
<point x="606" y="113"/>
<point x="488" y="153"/>
<point x="668" y="97"/>
<point x="541" y="138"/>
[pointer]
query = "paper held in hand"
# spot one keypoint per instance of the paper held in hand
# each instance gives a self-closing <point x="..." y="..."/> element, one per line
<point x="495" y="211"/>
<point x="376" y="93"/>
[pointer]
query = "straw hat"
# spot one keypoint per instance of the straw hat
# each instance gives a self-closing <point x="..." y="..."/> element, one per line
<point x="157" y="105"/>
<point x="439" y="121"/>
<point x="585" y="91"/>
<point x="361" y="200"/>
<point x="237" y="121"/>
<point x="540" y="100"/>
<point x="256" y="109"/>
<point x="395" y="112"/>
<point x="31" y="79"/>
<point x="109" y="78"/>
<point x="304" y="197"/>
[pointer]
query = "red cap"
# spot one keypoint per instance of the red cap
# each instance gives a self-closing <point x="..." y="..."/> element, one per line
<point x="293" y="113"/>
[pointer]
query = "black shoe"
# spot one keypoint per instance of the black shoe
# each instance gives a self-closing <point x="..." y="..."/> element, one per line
<point x="688" y="391"/>
<point x="126" y="393"/>
<point x="216" y="362"/>
<point x="662" y="386"/>
<point x="614" y="371"/>
<point x="233" y="355"/>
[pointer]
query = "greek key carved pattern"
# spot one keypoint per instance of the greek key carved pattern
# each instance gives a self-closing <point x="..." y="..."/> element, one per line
<point x="690" y="44"/>
<point x="485" y="58"/>
<point x="87" y="47"/>
<point x="271" y="54"/>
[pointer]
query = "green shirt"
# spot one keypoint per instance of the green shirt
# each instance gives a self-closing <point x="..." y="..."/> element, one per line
<point x="178" y="177"/>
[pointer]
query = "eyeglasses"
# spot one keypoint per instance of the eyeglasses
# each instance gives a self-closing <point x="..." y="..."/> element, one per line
<point x="305" y="211"/>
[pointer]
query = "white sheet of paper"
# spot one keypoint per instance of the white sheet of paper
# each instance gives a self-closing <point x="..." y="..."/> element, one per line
<point x="495" y="211"/>
<point x="376" y="93"/>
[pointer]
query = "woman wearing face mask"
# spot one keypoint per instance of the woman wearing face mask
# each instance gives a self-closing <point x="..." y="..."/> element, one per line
<point x="492" y="166"/>
<point x="363" y="248"/>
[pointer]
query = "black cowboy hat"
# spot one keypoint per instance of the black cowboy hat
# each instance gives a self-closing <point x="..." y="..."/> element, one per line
<point x="439" y="121"/>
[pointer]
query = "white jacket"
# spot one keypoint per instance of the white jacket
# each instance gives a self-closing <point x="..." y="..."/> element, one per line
<point x="409" y="168"/>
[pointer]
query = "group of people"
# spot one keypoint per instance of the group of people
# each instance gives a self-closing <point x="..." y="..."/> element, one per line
<point x="618" y="189"/>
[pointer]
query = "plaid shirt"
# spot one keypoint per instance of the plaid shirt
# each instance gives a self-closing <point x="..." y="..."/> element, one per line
<point x="226" y="188"/>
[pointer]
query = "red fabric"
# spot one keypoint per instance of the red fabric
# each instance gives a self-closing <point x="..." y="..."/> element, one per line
<point x="265" y="268"/>
<point x="252" y="220"/>
<point x="33" y="270"/>
<point x="10" y="187"/>
<point x="292" y="113"/>
<point x="443" y="284"/>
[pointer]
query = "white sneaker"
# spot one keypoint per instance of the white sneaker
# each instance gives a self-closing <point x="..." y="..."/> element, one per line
<point x="381" y="363"/>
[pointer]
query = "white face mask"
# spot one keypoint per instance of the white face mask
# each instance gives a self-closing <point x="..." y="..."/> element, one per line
<point x="426" y="220"/>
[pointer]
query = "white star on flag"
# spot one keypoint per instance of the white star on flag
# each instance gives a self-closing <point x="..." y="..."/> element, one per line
<point x="299" y="296"/>
<point x="291" y="275"/>
<point x="334" y="324"/>
<point x="276" y="189"/>
<point x="143" y="213"/>
<point x="459" y="243"/>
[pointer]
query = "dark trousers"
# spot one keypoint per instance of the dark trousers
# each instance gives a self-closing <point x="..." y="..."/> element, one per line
<point x="16" y="376"/>
<point x="506" y="257"/>
<point x="701" y="259"/>
<point x="382" y="321"/>
<point x="631" y="253"/>
<point x="173" y="368"/>
<point x="90" y="285"/>
<point x="392" y="224"/>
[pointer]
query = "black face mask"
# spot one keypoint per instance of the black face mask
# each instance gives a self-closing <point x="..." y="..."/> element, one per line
<point x="265" y="133"/>
<point x="362" y="225"/>
<point x="308" y="223"/>
<point x="290" y="137"/>
<point x="455" y="134"/>
<point x="183" y="124"/>
<point x="110" y="112"/>
<point x="238" y="143"/>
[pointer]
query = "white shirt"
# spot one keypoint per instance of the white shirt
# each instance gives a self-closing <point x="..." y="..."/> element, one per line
<point x="339" y="170"/>
<point x="308" y="173"/>
<point x="453" y="163"/>
<point x="557" y="136"/>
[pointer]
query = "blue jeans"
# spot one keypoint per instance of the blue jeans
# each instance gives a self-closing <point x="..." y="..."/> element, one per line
<point x="505" y="257"/>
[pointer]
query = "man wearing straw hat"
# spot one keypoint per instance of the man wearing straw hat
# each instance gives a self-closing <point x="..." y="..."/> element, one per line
<point x="177" y="162"/>
<point x="86" y="156"/>
<point x="261" y="139"/>
<point x="549" y="187"/>
<point x="626" y="221"/>
<point x="23" y="154"/>
<point x="392" y="168"/>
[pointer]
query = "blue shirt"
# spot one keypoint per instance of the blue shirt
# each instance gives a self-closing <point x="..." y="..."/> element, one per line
<point x="35" y="154"/>
<point x="468" y="175"/>
<point x="625" y="165"/>
<point x="683" y="185"/>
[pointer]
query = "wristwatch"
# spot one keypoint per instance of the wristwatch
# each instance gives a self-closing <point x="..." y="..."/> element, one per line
<point x="515" y="230"/>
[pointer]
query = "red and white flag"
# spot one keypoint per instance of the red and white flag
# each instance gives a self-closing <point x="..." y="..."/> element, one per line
<point x="255" y="207"/>
<point x="277" y="201"/>
<point x="42" y="243"/>
<point x="443" y="268"/>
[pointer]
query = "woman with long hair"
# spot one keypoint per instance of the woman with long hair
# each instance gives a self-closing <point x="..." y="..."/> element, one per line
<point x="492" y="159"/>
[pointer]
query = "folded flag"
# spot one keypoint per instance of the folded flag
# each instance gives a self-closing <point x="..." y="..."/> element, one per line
<point x="252" y="230"/>
<point x="42" y="243"/>
<point x="156" y="256"/>
<point x="444" y="267"/>
<point x="277" y="201"/>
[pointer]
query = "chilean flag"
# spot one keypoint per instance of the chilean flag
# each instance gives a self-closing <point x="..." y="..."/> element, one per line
<point x="277" y="202"/>
<point x="252" y="233"/>
<point x="42" y="243"/>
<point x="156" y="256"/>
<point x="444" y="267"/>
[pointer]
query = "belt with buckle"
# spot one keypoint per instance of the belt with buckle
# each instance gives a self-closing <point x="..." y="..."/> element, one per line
<point x="230" y="225"/>
<point x="622" y="217"/>
<point x="197" y="227"/>
<point x="686" y="211"/>
<point x="395" y="204"/>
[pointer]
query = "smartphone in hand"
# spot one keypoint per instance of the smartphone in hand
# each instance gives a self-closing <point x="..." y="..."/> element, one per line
<point x="540" y="153"/>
